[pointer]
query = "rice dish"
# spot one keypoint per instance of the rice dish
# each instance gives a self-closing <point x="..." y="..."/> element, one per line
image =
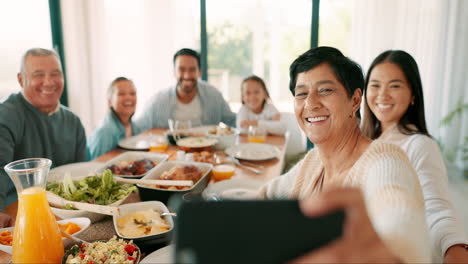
<point x="112" y="251"/>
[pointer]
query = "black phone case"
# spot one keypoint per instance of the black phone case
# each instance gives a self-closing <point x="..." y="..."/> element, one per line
<point x="267" y="231"/>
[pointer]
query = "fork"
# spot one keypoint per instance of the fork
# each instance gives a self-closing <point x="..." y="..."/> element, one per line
<point x="237" y="162"/>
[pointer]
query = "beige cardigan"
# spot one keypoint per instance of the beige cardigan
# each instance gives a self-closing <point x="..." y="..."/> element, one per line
<point x="391" y="190"/>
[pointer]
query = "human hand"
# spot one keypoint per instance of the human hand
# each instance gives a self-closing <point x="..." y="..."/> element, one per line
<point x="359" y="242"/>
<point x="456" y="254"/>
<point x="5" y="220"/>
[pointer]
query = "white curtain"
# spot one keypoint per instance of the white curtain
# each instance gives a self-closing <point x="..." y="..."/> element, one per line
<point x="106" y="39"/>
<point x="435" y="33"/>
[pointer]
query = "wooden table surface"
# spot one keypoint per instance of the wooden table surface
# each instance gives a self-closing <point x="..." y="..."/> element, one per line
<point x="273" y="168"/>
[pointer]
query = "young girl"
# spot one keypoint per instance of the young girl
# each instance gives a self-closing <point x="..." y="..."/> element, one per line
<point x="122" y="99"/>
<point x="394" y="112"/>
<point x="256" y="109"/>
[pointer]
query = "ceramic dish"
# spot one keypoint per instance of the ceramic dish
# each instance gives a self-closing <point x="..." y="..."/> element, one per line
<point x="148" y="193"/>
<point x="83" y="222"/>
<point x="138" y="142"/>
<point x="196" y="142"/>
<point x="233" y="189"/>
<point x="253" y="151"/>
<point x="134" y="156"/>
<point x="162" y="255"/>
<point x="136" y="248"/>
<point x="79" y="169"/>
<point x="147" y="240"/>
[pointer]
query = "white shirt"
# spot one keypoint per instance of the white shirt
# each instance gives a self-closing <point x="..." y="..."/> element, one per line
<point x="445" y="227"/>
<point x="191" y="111"/>
<point x="276" y="127"/>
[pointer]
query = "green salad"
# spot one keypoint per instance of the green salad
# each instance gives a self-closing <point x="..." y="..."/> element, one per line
<point x="99" y="189"/>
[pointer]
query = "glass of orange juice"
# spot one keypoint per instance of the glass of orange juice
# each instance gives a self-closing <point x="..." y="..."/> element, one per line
<point x="223" y="171"/>
<point x="37" y="237"/>
<point x="158" y="144"/>
<point x="256" y="134"/>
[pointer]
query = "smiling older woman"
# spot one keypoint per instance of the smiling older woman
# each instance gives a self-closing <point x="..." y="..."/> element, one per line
<point x="327" y="94"/>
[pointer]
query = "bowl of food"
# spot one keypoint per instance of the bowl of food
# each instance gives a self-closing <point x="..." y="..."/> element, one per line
<point x="100" y="189"/>
<point x="144" y="223"/>
<point x="114" y="250"/>
<point x="197" y="172"/>
<point x="133" y="164"/>
<point x="73" y="226"/>
<point x="225" y="135"/>
<point x="196" y="144"/>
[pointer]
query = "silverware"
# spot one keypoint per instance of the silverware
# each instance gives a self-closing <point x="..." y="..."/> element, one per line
<point x="237" y="162"/>
<point x="65" y="234"/>
<point x="253" y="164"/>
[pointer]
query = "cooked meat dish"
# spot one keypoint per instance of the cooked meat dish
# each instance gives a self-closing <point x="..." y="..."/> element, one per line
<point x="132" y="168"/>
<point x="189" y="173"/>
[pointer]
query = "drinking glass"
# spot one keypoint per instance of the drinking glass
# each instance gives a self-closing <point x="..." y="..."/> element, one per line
<point x="179" y="128"/>
<point x="37" y="237"/>
<point x="256" y="134"/>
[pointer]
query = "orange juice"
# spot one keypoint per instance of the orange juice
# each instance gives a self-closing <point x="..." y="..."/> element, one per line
<point x="223" y="172"/>
<point x="256" y="139"/>
<point x="160" y="146"/>
<point x="37" y="237"/>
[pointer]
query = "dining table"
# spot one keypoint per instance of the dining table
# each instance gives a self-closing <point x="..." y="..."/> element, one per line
<point x="104" y="229"/>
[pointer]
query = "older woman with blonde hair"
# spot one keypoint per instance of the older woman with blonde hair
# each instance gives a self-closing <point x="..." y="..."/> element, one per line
<point x="327" y="90"/>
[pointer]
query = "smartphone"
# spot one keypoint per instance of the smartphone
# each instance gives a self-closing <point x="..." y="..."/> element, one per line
<point x="266" y="231"/>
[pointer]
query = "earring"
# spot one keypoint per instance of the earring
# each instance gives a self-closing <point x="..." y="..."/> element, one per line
<point x="412" y="102"/>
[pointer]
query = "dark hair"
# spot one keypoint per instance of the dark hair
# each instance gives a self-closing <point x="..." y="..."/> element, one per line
<point x="111" y="88"/>
<point x="348" y="72"/>
<point x="259" y="80"/>
<point x="371" y="126"/>
<point x="188" y="52"/>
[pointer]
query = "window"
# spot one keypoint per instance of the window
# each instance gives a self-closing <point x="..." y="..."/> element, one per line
<point x="335" y="24"/>
<point x="248" y="37"/>
<point x="26" y="34"/>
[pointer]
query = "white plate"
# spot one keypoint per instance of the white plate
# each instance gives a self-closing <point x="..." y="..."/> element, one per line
<point x="253" y="151"/>
<point x="196" y="142"/>
<point x="138" y="142"/>
<point x="158" y="158"/>
<point x="162" y="255"/>
<point x="83" y="222"/>
<point x="233" y="189"/>
<point x="77" y="170"/>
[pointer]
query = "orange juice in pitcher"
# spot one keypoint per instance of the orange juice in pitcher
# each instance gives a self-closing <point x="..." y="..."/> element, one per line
<point x="37" y="237"/>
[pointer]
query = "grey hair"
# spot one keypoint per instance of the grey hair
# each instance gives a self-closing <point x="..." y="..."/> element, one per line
<point x="40" y="52"/>
<point x="111" y="89"/>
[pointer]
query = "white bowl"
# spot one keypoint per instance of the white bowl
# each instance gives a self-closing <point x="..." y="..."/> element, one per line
<point x="156" y="194"/>
<point x="83" y="222"/>
<point x="225" y="141"/>
<point x="93" y="217"/>
<point x="158" y="158"/>
<point x="127" y="209"/>
<point x="67" y="214"/>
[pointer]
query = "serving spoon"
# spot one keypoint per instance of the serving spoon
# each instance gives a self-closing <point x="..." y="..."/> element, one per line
<point x="155" y="182"/>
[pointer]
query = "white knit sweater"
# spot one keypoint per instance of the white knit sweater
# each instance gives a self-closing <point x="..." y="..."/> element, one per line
<point x="445" y="227"/>
<point x="391" y="191"/>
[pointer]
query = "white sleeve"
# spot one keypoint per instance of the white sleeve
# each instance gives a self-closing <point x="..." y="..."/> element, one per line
<point x="275" y="127"/>
<point x="396" y="208"/>
<point x="445" y="227"/>
<point x="241" y="116"/>
<point x="281" y="186"/>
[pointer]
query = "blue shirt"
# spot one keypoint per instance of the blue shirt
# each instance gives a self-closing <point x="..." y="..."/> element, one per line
<point x="161" y="107"/>
<point x="108" y="134"/>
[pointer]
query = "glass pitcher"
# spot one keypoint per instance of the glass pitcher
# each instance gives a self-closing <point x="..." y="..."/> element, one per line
<point x="37" y="237"/>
